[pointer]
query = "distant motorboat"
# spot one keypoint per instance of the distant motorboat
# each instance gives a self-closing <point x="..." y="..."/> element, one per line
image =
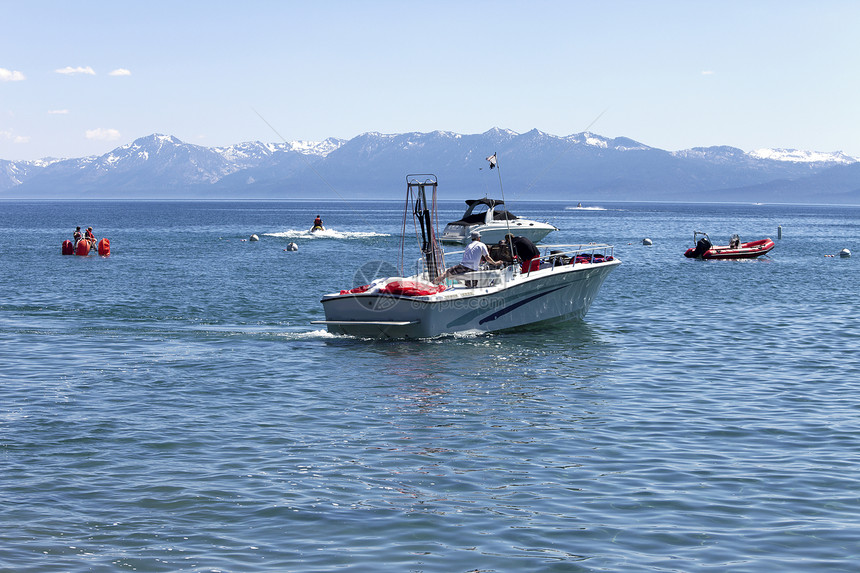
<point x="489" y="218"/>
<point x="704" y="249"/>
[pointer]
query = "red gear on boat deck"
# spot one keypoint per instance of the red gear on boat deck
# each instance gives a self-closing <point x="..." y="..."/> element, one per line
<point x="411" y="288"/>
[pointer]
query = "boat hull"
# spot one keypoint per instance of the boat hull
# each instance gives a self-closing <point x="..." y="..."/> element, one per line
<point x="460" y="234"/>
<point x="749" y="250"/>
<point x="537" y="298"/>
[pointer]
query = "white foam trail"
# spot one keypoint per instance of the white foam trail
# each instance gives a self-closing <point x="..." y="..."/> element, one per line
<point x="310" y="335"/>
<point x="327" y="234"/>
<point x="585" y="208"/>
<point x="325" y="334"/>
<point x="471" y="334"/>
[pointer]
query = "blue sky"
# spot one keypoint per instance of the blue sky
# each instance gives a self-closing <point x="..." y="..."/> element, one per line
<point x="81" y="78"/>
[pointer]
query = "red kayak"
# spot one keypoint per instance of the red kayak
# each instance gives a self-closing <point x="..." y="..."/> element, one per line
<point x="735" y="250"/>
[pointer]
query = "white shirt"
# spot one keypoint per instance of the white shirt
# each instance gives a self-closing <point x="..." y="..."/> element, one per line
<point x="472" y="255"/>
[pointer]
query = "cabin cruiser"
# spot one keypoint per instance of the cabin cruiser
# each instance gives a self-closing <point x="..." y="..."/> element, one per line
<point x="557" y="285"/>
<point x="490" y="218"/>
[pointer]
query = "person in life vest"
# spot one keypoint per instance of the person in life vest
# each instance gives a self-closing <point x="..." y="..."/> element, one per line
<point x="89" y="237"/>
<point x="318" y="225"/>
<point x="77" y="236"/>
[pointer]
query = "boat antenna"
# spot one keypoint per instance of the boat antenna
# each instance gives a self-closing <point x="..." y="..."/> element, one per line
<point x="494" y="164"/>
<point x="312" y="168"/>
<point x="563" y="151"/>
<point x="301" y="155"/>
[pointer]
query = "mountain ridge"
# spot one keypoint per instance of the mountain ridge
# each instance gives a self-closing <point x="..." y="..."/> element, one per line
<point x="373" y="165"/>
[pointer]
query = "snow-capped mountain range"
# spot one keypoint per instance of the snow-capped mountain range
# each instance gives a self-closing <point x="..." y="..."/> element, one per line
<point x="798" y="156"/>
<point x="581" y="166"/>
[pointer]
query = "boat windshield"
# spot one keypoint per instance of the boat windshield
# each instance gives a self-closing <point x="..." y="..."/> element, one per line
<point x="501" y="215"/>
<point x="477" y="212"/>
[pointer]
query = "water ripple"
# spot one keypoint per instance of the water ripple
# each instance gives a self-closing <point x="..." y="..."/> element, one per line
<point x="703" y="416"/>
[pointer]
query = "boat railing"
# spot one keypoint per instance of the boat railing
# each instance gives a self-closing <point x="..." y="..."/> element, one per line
<point x="551" y="257"/>
<point x="484" y="277"/>
<point x="578" y="254"/>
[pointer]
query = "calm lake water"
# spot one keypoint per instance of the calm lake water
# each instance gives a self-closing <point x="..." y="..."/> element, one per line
<point x="171" y="408"/>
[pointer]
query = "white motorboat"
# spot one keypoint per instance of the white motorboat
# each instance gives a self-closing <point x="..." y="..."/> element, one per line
<point x="558" y="285"/>
<point x="490" y="218"/>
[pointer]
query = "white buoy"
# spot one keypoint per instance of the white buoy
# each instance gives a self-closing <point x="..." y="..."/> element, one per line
<point x="292" y="247"/>
<point x="255" y="238"/>
<point x="844" y="253"/>
<point x="646" y="241"/>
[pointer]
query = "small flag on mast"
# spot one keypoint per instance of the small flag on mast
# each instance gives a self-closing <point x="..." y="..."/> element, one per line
<point x="492" y="160"/>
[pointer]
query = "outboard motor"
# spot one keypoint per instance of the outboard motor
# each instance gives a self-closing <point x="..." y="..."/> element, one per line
<point x="702" y="246"/>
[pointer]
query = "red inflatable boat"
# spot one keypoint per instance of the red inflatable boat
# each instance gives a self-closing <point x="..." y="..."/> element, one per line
<point x="735" y="250"/>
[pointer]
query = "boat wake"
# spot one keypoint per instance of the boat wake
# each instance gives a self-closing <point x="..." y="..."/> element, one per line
<point x="311" y="335"/>
<point x="326" y="335"/>
<point x="327" y="234"/>
<point x="581" y="208"/>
